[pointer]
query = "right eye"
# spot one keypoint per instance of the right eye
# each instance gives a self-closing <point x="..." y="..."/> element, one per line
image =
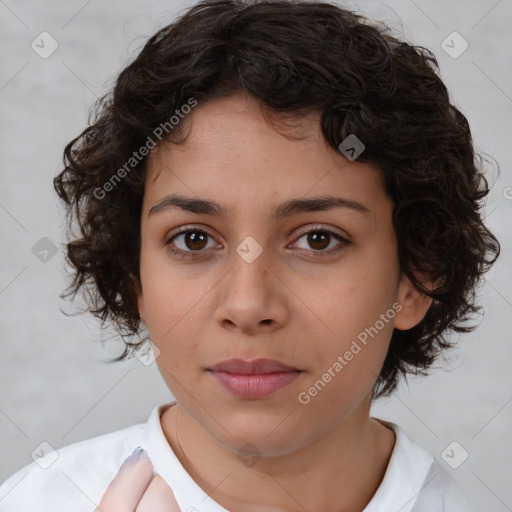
<point x="188" y="241"/>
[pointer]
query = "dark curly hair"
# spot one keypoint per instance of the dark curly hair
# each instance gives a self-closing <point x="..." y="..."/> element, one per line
<point x="294" y="57"/>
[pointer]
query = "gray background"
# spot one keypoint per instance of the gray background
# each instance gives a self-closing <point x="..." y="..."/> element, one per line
<point x="55" y="385"/>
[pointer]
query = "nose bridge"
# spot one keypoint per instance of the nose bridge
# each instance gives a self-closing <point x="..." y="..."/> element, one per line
<point x="249" y="270"/>
<point x="251" y="254"/>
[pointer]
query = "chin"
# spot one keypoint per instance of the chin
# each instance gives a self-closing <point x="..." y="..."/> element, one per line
<point x="254" y="434"/>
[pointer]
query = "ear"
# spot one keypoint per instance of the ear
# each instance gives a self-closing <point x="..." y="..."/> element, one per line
<point x="415" y="304"/>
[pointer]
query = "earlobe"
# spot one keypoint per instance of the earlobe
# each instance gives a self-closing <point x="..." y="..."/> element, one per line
<point x="415" y="304"/>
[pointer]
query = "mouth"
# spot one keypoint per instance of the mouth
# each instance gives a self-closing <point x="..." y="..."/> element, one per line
<point x="253" y="379"/>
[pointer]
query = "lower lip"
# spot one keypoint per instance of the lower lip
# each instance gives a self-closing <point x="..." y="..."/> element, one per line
<point x="254" y="386"/>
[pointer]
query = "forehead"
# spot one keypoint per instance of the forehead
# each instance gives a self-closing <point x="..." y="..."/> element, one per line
<point x="238" y="151"/>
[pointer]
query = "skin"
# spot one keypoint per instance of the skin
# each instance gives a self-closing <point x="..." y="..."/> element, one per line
<point x="135" y="488"/>
<point x="286" y="305"/>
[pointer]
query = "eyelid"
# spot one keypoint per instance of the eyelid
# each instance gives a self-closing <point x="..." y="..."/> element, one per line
<point x="305" y="230"/>
<point x="322" y="227"/>
<point x="185" y="229"/>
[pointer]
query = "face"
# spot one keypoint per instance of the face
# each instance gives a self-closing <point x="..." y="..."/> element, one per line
<point x="301" y="287"/>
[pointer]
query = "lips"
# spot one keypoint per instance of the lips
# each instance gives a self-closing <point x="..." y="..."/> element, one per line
<point x="253" y="380"/>
<point x="258" y="366"/>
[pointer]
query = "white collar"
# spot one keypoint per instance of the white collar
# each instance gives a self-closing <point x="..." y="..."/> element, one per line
<point x="404" y="477"/>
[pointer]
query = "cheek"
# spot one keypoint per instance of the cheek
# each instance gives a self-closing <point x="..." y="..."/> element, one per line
<point x="348" y="304"/>
<point x="349" y="308"/>
<point x="174" y="319"/>
<point x="348" y="360"/>
<point x="170" y="294"/>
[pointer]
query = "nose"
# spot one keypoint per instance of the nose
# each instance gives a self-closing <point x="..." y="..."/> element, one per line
<point x="252" y="298"/>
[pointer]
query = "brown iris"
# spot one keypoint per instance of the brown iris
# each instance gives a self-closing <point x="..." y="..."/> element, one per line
<point x="196" y="240"/>
<point x="317" y="239"/>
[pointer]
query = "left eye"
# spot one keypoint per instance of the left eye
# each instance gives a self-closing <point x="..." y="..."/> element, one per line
<point x="320" y="240"/>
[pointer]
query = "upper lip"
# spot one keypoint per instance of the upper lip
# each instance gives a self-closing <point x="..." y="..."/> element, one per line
<point x="257" y="366"/>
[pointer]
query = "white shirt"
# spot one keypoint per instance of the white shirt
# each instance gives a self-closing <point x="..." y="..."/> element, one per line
<point x="75" y="477"/>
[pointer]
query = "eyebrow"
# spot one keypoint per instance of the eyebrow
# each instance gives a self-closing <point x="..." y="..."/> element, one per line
<point x="286" y="209"/>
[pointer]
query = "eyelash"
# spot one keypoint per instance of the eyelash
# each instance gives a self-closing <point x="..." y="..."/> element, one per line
<point x="315" y="253"/>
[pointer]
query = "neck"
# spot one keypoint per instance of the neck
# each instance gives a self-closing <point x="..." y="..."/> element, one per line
<point x="342" y="469"/>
